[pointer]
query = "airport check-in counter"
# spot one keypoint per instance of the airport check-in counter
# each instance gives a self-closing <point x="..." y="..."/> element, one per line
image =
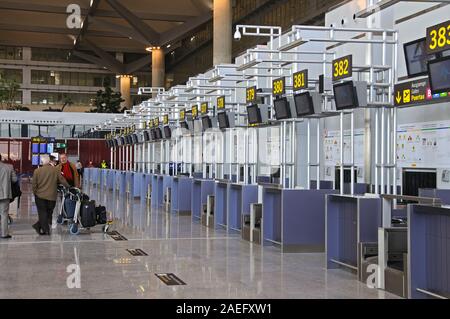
<point x="220" y="203"/>
<point x="350" y="221"/>
<point x="110" y="179"/>
<point x="240" y="196"/>
<point x="121" y="182"/>
<point x="201" y="189"/>
<point x="428" y="251"/>
<point x="181" y="195"/>
<point x="294" y="218"/>
<point x="159" y="184"/>
<point x="442" y="194"/>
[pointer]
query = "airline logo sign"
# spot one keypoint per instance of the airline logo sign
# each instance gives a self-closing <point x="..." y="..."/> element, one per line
<point x="417" y="92"/>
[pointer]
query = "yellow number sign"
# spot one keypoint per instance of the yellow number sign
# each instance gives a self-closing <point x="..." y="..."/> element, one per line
<point x="300" y="80"/>
<point x="194" y="111"/>
<point x="204" y="108"/>
<point x="278" y="87"/>
<point x="166" y="119"/>
<point x="182" y="114"/>
<point x="342" y="68"/>
<point x="250" y="95"/>
<point x="221" y="102"/>
<point x="438" y="37"/>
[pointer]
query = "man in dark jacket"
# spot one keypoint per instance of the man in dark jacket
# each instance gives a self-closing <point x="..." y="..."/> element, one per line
<point x="45" y="183"/>
<point x="7" y="175"/>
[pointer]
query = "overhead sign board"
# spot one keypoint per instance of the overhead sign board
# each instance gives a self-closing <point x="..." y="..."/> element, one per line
<point x="342" y="68"/>
<point x="417" y="92"/>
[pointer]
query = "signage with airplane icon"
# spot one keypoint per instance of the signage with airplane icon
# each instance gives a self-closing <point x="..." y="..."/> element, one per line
<point x="417" y="92"/>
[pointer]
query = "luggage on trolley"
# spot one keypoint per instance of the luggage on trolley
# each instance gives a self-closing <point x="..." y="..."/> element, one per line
<point x="79" y="212"/>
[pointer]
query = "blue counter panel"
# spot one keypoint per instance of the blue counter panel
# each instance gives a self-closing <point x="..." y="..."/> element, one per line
<point x="350" y="220"/>
<point x="155" y="191"/>
<point x="196" y="199"/>
<point x="271" y="212"/>
<point x="428" y="250"/>
<point x="181" y="195"/>
<point x="234" y="207"/>
<point x="220" y="204"/>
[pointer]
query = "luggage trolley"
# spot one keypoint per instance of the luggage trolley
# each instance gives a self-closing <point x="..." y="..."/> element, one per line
<point x="78" y="212"/>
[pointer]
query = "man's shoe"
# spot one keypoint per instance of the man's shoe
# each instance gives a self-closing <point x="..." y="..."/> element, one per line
<point x="7" y="237"/>
<point x="37" y="228"/>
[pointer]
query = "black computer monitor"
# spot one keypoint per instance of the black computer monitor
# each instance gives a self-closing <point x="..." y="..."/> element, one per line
<point x="146" y="136"/>
<point x="158" y="133"/>
<point x="206" y="123"/>
<point x="135" y="139"/>
<point x="282" y="109"/>
<point x="254" y="114"/>
<point x="416" y="57"/>
<point x="153" y="134"/>
<point x="129" y="140"/>
<point x="114" y="142"/>
<point x="439" y="75"/>
<point x="184" y="125"/>
<point x="345" y="96"/>
<point x="167" y="132"/>
<point x="304" y="104"/>
<point x="223" y="120"/>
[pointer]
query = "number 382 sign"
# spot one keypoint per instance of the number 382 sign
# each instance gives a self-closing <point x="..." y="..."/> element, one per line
<point x="342" y="68"/>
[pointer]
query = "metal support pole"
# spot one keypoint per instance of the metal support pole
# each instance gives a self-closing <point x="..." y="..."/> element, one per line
<point x="376" y="151"/>
<point x="308" y="153"/>
<point x="318" y="154"/>
<point x="352" y="153"/>
<point x="341" y="146"/>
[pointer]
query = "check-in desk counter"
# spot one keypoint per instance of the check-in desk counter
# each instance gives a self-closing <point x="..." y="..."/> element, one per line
<point x="145" y="188"/>
<point x="181" y="195"/>
<point x="137" y="183"/>
<point x="201" y="188"/>
<point x="350" y="221"/>
<point x="87" y="179"/>
<point x="294" y="218"/>
<point x="121" y="182"/>
<point x="220" y="203"/>
<point x="157" y="190"/>
<point x="110" y="179"/>
<point x="442" y="194"/>
<point x="428" y="251"/>
<point x="129" y="178"/>
<point x="93" y="177"/>
<point x="240" y="196"/>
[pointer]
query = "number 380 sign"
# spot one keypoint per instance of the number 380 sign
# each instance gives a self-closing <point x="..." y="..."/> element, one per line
<point x="342" y="68"/>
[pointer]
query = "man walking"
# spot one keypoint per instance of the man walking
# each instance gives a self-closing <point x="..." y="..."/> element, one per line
<point x="69" y="171"/>
<point x="7" y="176"/>
<point x="45" y="182"/>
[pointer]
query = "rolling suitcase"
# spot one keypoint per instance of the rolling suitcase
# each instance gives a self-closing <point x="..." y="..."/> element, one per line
<point x="87" y="214"/>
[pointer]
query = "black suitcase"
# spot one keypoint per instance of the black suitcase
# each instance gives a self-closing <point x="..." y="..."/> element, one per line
<point x="88" y="216"/>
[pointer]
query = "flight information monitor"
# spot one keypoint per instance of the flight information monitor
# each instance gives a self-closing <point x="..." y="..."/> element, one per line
<point x="167" y="132"/>
<point x="439" y="74"/>
<point x="223" y="120"/>
<point x="254" y="114"/>
<point x="206" y="123"/>
<point x="282" y="109"/>
<point x="345" y="96"/>
<point x="304" y="104"/>
<point x="416" y="57"/>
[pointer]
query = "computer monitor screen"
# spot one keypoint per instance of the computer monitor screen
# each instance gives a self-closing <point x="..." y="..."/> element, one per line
<point x="35" y="148"/>
<point x="184" y="125"/>
<point x="416" y="57"/>
<point x="223" y="120"/>
<point x="254" y="114"/>
<point x="345" y="96"/>
<point x="439" y="74"/>
<point x="206" y="123"/>
<point x="303" y="104"/>
<point x="153" y="133"/>
<point x="146" y="136"/>
<point x="158" y="133"/>
<point x="43" y="148"/>
<point x="167" y="132"/>
<point x="35" y="160"/>
<point x="135" y="138"/>
<point x="114" y="142"/>
<point x="282" y="109"/>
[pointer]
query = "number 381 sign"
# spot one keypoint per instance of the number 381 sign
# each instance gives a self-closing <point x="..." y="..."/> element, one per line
<point x="342" y="68"/>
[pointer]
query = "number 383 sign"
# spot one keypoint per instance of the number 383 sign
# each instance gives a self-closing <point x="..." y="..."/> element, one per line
<point x="438" y="37"/>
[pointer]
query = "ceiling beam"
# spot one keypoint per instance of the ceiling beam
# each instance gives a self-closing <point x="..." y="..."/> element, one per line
<point x="118" y="29"/>
<point x="111" y="62"/>
<point x="42" y="8"/>
<point x="138" y="64"/>
<point x="142" y="28"/>
<point x="180" y="31"/>
<point x="202" y="5"/>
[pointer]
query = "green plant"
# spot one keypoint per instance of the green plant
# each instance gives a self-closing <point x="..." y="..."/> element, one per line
<point x="107" y="101"/>
<point x="8" y="92"/>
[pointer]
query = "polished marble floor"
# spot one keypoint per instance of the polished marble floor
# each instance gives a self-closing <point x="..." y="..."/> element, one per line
<point x="212" y="263"/>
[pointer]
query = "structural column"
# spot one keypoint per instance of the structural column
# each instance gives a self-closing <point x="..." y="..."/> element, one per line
<point x="223" y="24"/>
<point x="125" y="85"/>
<point x="158" y="67"/>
